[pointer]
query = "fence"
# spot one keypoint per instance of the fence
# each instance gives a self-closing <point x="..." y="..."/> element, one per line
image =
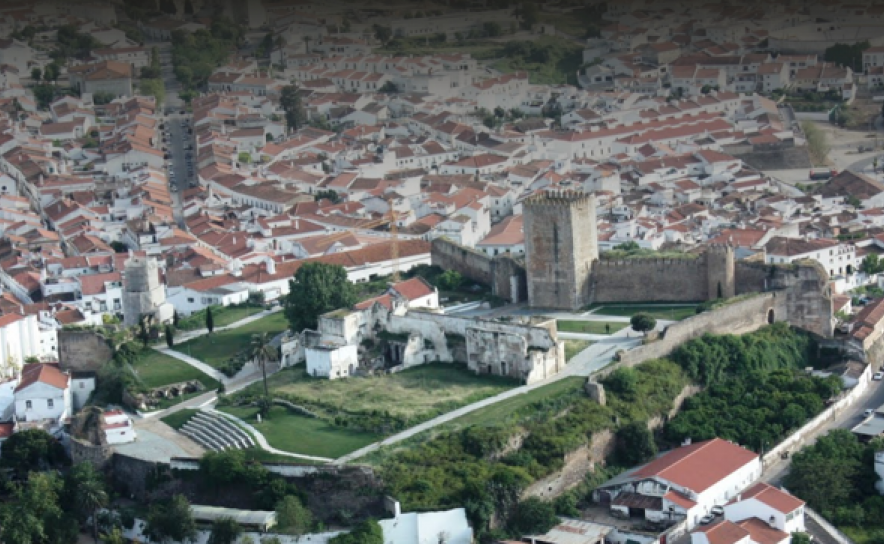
<point x="830" y="529"/>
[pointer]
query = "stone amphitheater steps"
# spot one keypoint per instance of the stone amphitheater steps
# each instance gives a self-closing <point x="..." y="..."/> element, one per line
<point x="215" y="432"/>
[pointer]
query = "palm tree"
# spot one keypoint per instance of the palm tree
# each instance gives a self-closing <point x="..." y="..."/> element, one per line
<point x="92" y="496"/>
<point x="262" y="352"/>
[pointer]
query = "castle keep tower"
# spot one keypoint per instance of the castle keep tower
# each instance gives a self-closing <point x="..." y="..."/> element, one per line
<point x="561" y="242"/>
<point x="142" y="292"/>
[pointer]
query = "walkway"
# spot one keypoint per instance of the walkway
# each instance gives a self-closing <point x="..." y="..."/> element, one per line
<point x="592" y="359"/>
<point x="263" y="441"/>
<point x="196" y="363"/>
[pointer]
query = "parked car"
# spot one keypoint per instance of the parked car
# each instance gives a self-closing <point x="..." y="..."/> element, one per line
<point x="717" y="511"/>
<point x="878" y="376"/>
<point x="706" y="520"/>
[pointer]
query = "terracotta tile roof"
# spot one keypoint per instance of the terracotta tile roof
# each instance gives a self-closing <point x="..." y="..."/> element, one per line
<point x="47" y="373"/>
<point x="6" y="429"/>
<point x="414" y="288"/>
<point x="723" y="532"/>
<point x="698" y="466"/>
<point x="777" y="499"/>
<point x="762" y="533"/>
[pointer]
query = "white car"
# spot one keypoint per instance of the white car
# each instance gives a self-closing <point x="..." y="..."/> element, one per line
<point x="878" y="376"/>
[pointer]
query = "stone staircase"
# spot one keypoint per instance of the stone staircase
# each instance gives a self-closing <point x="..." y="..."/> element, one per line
<point x="215" y="432"/>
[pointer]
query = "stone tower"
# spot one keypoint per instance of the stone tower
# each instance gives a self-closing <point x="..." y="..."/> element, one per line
<point x="720" y="271"/>
<point x="142" y="292"/>
<point x="561" y="243"/>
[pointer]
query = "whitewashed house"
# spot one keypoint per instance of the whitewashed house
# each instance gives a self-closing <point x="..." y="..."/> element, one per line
<point x="43" y="395"/>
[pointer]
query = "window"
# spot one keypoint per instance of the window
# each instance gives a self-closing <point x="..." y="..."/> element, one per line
<point x="190" y="299"/>
<point x="50" y="403"/>
<point x="28" y="405"/>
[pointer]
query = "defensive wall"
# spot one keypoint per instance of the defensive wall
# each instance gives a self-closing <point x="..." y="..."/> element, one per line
<point x="686" y="279"/>
<point x="503" y="273"/>
<point x="82" y="351"/>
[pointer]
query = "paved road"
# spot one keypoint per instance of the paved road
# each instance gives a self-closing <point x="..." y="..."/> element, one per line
<point x="177" y="135"/>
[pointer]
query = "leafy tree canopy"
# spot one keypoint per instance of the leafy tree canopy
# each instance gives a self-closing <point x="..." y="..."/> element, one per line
<point x="317" y="288"/>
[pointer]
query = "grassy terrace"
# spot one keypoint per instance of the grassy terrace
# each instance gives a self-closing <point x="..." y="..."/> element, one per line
<point x="300" y="434"/>
<point x="158" y="369"/>
<point x="214" y="349"/>
<point x="672" y="312"/>
<point x="590" y="327"/>
<point x="573" y="347"/>
<point x="414" y="392"/>
<point x="222" y="316"/>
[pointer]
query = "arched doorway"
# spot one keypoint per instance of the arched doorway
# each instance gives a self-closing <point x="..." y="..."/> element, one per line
<point x="770" y="317"/>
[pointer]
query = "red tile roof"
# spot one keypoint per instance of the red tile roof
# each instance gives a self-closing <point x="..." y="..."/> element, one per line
<point x="698" y="466"/>
<point x="775" y="498"/>
<point x="47" y="373"/>
<point x="724" y="532"/>
<point x="414" y="288"/>
<point x="762" y="533"/>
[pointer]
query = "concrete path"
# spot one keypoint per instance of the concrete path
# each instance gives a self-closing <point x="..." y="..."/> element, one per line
<point x="263" y="441"/>
<point x="196" y="363"/>
<point x="592" y="359"/>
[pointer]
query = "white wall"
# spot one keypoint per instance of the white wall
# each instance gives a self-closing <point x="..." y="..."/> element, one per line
<point x="727" y="488"/>
<point x="332" y="363"/>
<point x="39" y="395"/>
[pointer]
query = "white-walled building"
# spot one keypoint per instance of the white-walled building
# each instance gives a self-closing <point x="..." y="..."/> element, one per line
<point x="22" y="337"/>
<point x="774" y="506"/>
<point x="836" y="257"/>
<point x="684" y="483"/>
<point x="43" y="394"/>
<point x="331" y="361"/>
<point x="117" y="427"/>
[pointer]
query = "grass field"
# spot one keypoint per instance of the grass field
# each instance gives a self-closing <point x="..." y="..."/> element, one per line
<point x="590" y="327"/>
<point x="657" y="311"/>
<point x="177" y="419"/>
<point x="420" y="390"/>
<point x="157" y="369"/>
<point x="573" y="347"/>
<point x="221" y="315"/>
<point x="299" y="434"/>
<point x="214" y="349"/>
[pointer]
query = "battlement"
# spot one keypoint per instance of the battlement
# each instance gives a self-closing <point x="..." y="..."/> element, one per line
<point x="692" y="262"/>
<point x="558" y="197"/>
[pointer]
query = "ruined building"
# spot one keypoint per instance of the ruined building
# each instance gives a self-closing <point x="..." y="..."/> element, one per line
<point x="143" y="294"/>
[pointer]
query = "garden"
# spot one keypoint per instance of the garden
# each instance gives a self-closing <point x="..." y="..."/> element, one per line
<point x="669" y="312"/>
<point x="228" y="350"/>
<point x="590" y="327"/>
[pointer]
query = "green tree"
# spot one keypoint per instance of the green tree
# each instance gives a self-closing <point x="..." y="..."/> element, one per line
<point x="224" y="531"/>
<point x="36" y="73"/>
<point x="317" y="288"/>
<point x="800" y="538"/>
<point x="817" y="142"/>
<point x="51" y="72"/>
<point x="642" y="322"/>
<point x="847" y="54"/>
<point x="623" y="381"/>
<point x="450" y="280"/>
<point x="635" y="444"/>
<point x="155" y="88"/>
<point x="530" y="15"/>
<point x="367" y="532"/>
<point x="114" y="536"/>
<point x="329" y="194"/>
<point x="262" y="352"/>
<point x="31" y="450"/>
<point x="223" y="467"/>
<point x="171" y="522"/>
<point x="290" y="101"/>
<point x="826" y="474"/>
<point x="292" y="516"/>
<point x="89" y="493"/>
<point x="871" y="264"/>
<point x="29" y="516"/>
<point x="210" y="320"/>
<point x="534" y="517"/>
<point x="170" y="336"/>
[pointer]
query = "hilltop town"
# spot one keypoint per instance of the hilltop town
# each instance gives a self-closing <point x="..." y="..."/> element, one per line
<point x="448" y="272"/>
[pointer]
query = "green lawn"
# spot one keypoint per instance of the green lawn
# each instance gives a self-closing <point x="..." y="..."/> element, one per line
<point x="573" y="347"/>
<point x="221" y="315"/>
<point x="214" y="349"/>
<point x="657" y="311"/>
<point x="419" y="391"/>
<point x="590" y="327"/>
<point x="157" y="369"/>
<point x="299" y="434"/>
<point x="177" y="419"/>
<point x="498" y="413"/>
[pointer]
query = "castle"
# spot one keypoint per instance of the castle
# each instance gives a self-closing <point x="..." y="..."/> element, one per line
<point x="143" y="294"/>
<point x="564" y="271"/>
